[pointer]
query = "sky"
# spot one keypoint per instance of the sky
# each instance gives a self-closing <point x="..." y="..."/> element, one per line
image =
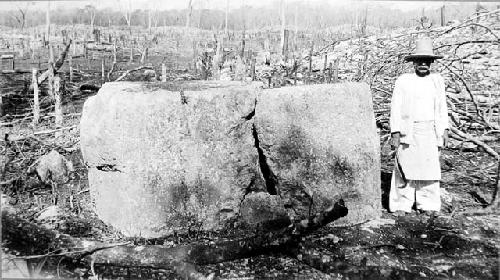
<point x="182" y="4"/>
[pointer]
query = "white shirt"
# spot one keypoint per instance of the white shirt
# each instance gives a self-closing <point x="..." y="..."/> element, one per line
<point x="424" y="92"/>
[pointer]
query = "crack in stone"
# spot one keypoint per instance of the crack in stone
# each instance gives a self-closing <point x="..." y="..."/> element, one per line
<point x="250" y="115"/>
<point x="108" y="168"/>
<point x="265" y="169"/>
<point x="248" y="190"/>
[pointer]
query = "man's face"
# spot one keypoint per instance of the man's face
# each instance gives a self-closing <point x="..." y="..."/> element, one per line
<point x="422" y="66"/>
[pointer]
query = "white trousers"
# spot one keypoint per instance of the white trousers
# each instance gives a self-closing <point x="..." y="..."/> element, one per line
<point x="402" y="196"/>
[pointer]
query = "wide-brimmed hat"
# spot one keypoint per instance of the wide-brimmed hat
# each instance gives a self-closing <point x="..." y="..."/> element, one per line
<point x="423" y="50"/>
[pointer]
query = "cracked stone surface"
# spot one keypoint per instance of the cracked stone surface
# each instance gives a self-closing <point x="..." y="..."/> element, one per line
<point x="160" y="162"/>
<point x="167" y="157"/>
<point x="320" y="143"/>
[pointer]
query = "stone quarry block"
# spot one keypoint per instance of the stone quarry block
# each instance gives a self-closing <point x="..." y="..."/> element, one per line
<point x="166" y="157"/>
<point x="320" y="143"/>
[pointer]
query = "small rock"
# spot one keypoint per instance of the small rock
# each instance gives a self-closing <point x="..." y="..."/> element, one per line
<point x="53" y="167"/>
<point x="150" y="75"/>
<point x="4" y="201"/>
<point x="260" y="206"/>
<point x="447" y="201"/>
<point x="333" y="237"/>
<point x="50" y="213"/>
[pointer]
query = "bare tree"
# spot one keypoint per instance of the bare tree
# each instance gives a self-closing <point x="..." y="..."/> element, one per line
<point x="156" y="18"/>
<point x="227" y="12"/>
<point x="127" y="14"/>
<point x="495" y="201"/>
<point x="296" y="26"/>
<point x="21" y="17"/>
<point x="47" y="18"/>
<point x="362" y="23"/>
<point x="91" y="10"/>
<point x="282" y="19"/>
<point x="189" y="13"/>
<point x="149" y="20"/>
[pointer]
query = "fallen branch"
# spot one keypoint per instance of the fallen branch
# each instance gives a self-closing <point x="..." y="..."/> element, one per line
<point x="459" y="44"/>
<point x="15" y="71"/>
<point x="27" y="237"/>
<point x="473" y="99"/>
<point x="262" y="241"/>
<point x="19" y="138"/>
<point x="468" y="22"/>
<point x="132" y="70"/>
<point x="8" y="182"/>
<point x="494" y="205"/>
<point x="483" y="145"/>
<point x="54" y="130"/>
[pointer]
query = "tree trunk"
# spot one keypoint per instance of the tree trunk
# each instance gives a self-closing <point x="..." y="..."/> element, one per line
<point x="131" y="58"/>
<point x="217" y="58"/>
<point x="70" y="62"/>
<point x="227" y="12"/>
<point x="336" y="71"/>
<point x="53" y="66"/>
<point x="36" y="102"/>
<point x="495" y="201"/>
<point x="47" y="19"/>
<point x="189" y="12"/>
<point x="282" y="17"/>
<point x="163" y="72"/>
<point x="443" y="22"/>
<point x="58" y="112"/>
<point x="149" y="21"/>
<point x="50" y="71"/>
<point x="144" y="55"/>
<point x="296" y="35"/>
<point x="311" y="50"/>
<point x="103" y="73"/>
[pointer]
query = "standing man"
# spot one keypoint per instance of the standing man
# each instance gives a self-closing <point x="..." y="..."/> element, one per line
<point x="419" y="129"/>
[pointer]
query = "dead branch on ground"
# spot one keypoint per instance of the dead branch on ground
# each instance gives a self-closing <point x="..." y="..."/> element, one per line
<point x="483" y="145"/>
<point x="29" y="238"/>
<point x="131" y="71"/>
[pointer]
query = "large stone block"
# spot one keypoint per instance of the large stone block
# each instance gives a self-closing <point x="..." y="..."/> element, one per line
<point x="320" y="143"/>
<point x="165" y="157"/>
<point x="196" y="155"/>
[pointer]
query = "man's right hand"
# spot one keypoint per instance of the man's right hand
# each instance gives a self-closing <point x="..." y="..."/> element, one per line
<point x="395" y="141"/>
